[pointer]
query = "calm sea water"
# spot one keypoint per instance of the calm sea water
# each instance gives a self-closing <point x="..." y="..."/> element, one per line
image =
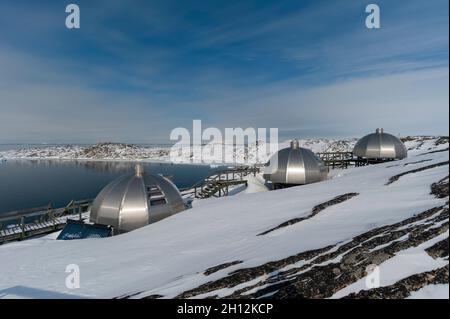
<point x="32" y="183"/>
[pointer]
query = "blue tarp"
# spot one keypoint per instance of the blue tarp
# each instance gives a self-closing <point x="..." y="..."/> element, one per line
<point x="75" y="229"/>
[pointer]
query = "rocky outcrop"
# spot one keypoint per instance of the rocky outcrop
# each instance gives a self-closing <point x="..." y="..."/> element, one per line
<point x="441" y="140"/>
<point x="397" y="177"/>
<point x="410" y="163"/>
<point x="440" y="189"/>
<point x="418" y="142"/>
<point x="439" y="250"/>
<point x="214" y="269"/>
<point x="403" y="288"/>
<point x="107" y="150"/>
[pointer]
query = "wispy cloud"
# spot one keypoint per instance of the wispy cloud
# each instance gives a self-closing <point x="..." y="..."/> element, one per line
<point x="132" y="73"/>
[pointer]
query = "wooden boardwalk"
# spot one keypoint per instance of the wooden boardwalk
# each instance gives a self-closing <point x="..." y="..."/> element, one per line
<point x="218" y="184"/>
<point x="344" y="159"/>
<point x="23" y="224"/>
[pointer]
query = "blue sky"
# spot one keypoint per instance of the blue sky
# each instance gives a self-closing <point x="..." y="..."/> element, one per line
<point x="137" y="69"/>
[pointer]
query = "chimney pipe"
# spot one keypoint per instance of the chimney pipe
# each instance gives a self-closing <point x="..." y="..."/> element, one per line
<point x="295" y="144"/>
<point x="139" y="169"/>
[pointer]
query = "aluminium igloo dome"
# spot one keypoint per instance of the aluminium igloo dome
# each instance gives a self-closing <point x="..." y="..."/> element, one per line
<point x="380" y="145"/>
<point x="295" y="165"/>
<point x="135" y="200"/>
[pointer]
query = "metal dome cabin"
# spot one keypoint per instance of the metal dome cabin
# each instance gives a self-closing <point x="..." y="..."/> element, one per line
<point x="380" y="146"/>
<point x="135" y="200"/>
<point x="294" y="166"/>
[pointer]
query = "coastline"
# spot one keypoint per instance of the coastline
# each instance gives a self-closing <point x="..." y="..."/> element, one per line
<point x="118" y="160"/>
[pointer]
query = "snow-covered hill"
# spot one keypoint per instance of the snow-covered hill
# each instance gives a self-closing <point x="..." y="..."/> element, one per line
<point x="120" y="151"/>
<point x="101" y="151"/>
<point x="312" y="241"/>
<point x="130" y="152"/>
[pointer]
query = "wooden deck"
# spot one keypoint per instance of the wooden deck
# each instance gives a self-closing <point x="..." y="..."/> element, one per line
<point x="23" y="224"/>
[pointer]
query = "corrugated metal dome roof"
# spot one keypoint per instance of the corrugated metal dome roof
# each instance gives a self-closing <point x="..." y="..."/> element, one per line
<point x="295" y="165"/>
<point x="135" y="200"/>
<point x="380" y="145"/>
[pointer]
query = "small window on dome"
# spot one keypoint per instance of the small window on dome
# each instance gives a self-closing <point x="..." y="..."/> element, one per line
<point x="156" y="196"/>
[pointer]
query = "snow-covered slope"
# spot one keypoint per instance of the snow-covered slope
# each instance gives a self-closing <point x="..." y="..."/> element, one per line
<point x="312" y="241"/>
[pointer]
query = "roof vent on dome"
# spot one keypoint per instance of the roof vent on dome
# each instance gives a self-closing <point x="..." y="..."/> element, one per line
<point x="295" y="144"/>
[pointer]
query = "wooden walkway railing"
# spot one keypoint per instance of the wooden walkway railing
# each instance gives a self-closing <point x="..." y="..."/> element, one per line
<point x="218" y="184"/>
<point x="344" y="159"/>
<point x="36" y="221"/>
<point x="336" y="159"/>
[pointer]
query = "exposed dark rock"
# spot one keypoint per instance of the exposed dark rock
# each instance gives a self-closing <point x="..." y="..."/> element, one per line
<point x="316" y="209"/>
<point x="440" y="189"/>
<point x="420" y="139"/>
<point x="409" y="138"/>
<point x="128" y="296"/>
<point x="214" y="269"/>
<point x="442" y="140"/>
<point x="438" y="250"/>
<point x="404" y="287"/>
<point x="436" y="151"/>
<point x="420" y="169"/>
<point x="410" y="163"/>
<point x="418" y="162"/>
<point x="337" y="200"/>
<point x="247" y="274"/>
<point x="322" y="281"/>
<point x="155" y="296"/>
